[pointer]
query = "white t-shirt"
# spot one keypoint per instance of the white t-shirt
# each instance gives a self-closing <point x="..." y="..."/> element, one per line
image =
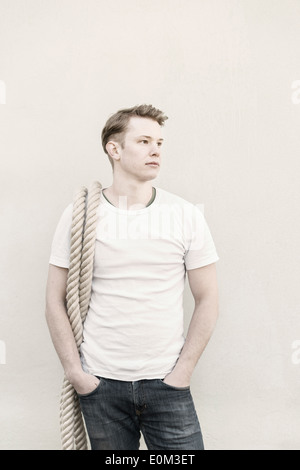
<point x="134" y="326"/>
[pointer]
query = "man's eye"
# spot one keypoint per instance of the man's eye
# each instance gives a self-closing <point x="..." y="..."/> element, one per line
<point x="144" y="141"/>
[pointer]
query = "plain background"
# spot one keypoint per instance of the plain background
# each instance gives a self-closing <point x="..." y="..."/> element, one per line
<point x="227" y="73"/>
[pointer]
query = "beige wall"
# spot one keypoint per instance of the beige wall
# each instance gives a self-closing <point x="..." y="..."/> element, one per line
<point x="227" y="73"/>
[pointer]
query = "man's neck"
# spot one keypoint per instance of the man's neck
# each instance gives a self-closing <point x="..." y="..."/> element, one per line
<point x="126" y="195"/>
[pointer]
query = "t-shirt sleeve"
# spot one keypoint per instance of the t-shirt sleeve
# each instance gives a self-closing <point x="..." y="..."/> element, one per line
<point x="60" y="248"/>
<point x="201" y="249"/>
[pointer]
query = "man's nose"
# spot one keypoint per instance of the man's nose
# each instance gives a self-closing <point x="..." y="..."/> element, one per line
<point x="155" y="149"/>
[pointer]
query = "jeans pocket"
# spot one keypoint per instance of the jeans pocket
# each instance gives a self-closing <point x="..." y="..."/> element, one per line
<point x="87" y="395"/>
<point x="172" y="387"/>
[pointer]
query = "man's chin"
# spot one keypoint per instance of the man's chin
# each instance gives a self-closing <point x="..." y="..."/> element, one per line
<point x="150" y="176"/>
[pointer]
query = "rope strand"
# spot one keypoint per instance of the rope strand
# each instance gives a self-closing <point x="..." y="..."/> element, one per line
<point x="79" y="283"/>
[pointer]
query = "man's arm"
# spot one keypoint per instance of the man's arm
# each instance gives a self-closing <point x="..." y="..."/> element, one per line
<point x="61" y="331"/>
<point x="203" y="284"/>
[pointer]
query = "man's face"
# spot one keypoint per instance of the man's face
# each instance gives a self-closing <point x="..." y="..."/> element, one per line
<point x="140" y="156"/>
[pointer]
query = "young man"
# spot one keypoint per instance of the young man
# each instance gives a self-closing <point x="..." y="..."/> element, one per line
<point x="135" y="366"/>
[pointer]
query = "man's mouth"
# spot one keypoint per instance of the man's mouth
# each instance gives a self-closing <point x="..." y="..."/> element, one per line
<point x="153" y="164"/>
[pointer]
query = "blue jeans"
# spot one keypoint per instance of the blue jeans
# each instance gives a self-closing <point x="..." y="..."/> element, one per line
<point x="116" y="413"/>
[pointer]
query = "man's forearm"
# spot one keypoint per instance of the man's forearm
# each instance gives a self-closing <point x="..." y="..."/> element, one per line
<point x="63" y="339"/>
<point x="61" y="331"/>
<point x="199" y="333"/>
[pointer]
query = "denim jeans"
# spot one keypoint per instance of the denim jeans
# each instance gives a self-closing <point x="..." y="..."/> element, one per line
<point x="116" y="413"/>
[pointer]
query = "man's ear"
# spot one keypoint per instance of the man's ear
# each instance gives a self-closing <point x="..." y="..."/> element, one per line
<point x="113" y="149"/>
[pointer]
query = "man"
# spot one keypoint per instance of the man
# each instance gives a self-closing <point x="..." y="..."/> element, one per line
<point x="135" y="366"/>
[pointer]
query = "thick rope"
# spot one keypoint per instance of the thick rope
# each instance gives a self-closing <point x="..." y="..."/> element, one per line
<point x="83" y="235"/>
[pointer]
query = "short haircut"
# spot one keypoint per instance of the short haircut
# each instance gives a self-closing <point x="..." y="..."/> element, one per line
<point x="117" y="125"/>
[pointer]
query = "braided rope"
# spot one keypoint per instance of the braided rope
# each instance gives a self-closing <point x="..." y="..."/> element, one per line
<point x="89" y="238"/>
<point x="83" y="234"/>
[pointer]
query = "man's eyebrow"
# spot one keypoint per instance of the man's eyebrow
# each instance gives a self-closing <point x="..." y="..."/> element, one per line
<point x="149" y="137"/>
